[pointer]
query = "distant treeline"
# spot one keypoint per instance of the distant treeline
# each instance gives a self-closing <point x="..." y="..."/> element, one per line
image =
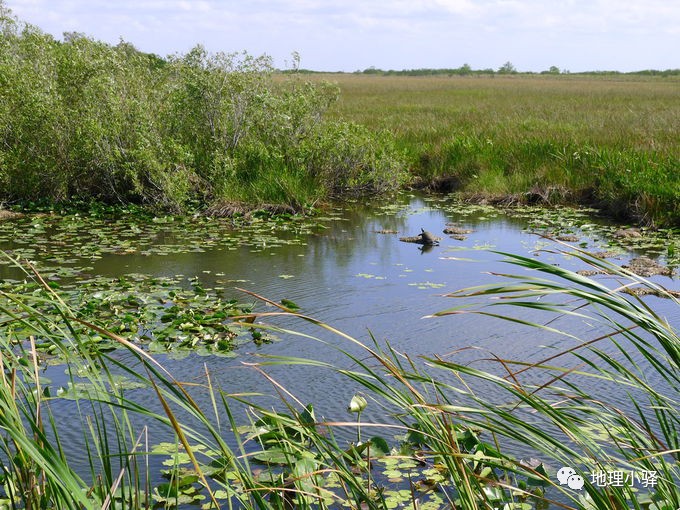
<point x="507" y="68"/>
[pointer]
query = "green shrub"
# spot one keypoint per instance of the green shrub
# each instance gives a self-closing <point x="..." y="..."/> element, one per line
<point x="350" y="159"/>
<point x="84" y="119"/>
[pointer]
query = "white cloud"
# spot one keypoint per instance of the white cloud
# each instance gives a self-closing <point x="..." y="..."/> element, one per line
<point x="459" y="6"/>
<point x="350" y="34"/>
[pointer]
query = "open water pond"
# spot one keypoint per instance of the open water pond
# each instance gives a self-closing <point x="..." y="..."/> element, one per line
<point x="347" y="268"/>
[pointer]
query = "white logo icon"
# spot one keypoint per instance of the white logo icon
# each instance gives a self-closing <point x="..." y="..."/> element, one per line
<point x="575" y="482"/>
<point x="564" y="473"/>
<point x="567" y="476"/>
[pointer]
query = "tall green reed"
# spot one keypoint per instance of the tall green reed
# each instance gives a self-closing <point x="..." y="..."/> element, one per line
<point x="441" y="409"/>
<point x="563" y="419"/>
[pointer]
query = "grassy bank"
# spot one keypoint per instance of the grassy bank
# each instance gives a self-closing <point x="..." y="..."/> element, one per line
<point x="609" y="141"/>
<point x="445" y="446"/>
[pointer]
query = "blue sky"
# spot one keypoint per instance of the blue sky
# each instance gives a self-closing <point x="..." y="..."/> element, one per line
<point x="346" y="35"/>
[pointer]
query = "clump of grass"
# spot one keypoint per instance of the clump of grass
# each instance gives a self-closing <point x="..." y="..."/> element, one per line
<point x="36" y="469"/>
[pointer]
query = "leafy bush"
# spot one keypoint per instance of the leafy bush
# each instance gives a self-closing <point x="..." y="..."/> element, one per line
<point x="350" y="159"/>
<point x="84" y="119"/>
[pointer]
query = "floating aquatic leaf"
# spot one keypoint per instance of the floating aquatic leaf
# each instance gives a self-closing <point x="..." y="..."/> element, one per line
<point x="379" y="447"/>
<point x="291" y="305"/>
<point x="427" y="285"/>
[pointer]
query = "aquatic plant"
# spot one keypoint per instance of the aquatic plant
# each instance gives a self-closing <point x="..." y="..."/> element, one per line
<point x="444" y="440"/>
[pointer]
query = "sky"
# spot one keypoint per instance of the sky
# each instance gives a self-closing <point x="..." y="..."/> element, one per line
<point x="350" y="35"/>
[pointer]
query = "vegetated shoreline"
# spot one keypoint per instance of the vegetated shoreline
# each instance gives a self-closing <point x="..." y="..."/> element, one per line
<point x="87" y="122"/>
<point x="548" y="196"/>
<point x="244" y="211"/>
<point x="595" y="140"/>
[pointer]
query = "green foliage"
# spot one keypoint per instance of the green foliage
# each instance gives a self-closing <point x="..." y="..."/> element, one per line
<point x="507" y="68"/>
<point x="81" y="119"/>
<point x="349" y="159"/>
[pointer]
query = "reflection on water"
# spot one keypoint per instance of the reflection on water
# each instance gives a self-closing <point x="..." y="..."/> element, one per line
<point x="364" y="283"/>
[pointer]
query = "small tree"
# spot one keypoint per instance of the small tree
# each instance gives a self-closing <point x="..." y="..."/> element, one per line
<point x="507" y="68"/>
<point x="8" y="23"/>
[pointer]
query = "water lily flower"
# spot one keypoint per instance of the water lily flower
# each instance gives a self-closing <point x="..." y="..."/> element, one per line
<point x="357" y="404"/>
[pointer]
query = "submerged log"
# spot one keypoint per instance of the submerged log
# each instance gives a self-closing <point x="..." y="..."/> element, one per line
<point x="230" y="209"/>
<point x="8" y="215"/>
<point x="627" y="233"/>
<point x="646" y="291"/>
<point x="455" y="230"/>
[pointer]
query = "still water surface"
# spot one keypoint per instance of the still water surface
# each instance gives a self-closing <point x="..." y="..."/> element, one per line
<point x="363" y="281"/>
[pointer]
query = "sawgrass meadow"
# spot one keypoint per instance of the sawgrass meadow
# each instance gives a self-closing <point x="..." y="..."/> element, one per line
<point x="609" y="140"/>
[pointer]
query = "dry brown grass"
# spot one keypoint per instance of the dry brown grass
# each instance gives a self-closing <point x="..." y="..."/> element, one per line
<point x="6" y="215"/>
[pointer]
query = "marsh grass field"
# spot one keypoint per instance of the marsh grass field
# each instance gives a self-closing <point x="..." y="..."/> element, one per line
<point x="115" y="125"/>
<point x="151" y="147"/>
<point x="609" y="140"/>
